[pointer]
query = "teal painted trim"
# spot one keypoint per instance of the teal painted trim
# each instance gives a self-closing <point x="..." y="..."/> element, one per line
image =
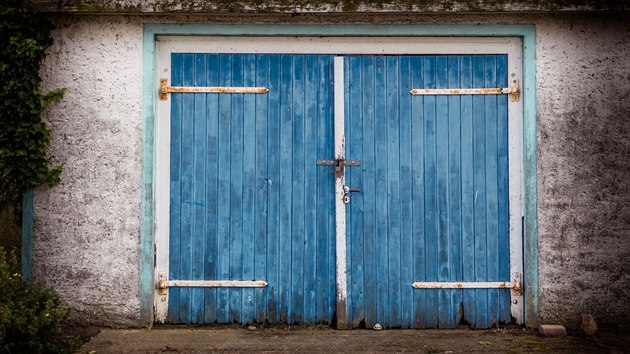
<point x="526" y="32"/>
<point x="28" y="217"/>
<point x="530" y="251"/>
<point x="147" y="250"/>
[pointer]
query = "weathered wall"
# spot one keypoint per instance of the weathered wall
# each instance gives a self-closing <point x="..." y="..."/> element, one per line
<point x="88" y="228"/>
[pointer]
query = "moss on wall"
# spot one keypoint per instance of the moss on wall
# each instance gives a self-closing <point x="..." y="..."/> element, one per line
<point x="341" y="6"/>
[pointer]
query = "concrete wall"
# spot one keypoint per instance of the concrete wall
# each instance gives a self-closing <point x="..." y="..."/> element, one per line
<point x="87" y="230"/>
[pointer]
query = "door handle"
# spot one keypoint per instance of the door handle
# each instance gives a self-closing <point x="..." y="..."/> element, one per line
<point x="347" y="189"/>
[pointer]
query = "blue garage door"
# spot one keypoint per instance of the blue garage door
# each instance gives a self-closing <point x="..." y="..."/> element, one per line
<point x="433" y="205"/>
<point x="247" y="200"/>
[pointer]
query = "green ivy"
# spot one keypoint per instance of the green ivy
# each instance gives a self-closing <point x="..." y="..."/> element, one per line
<point x="24" y="138"/>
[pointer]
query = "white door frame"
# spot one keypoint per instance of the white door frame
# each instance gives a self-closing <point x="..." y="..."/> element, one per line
<point x="165" y="45"/>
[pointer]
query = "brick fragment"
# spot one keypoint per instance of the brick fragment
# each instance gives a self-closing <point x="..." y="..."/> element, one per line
<point x="588" y="326"/>
<point x="549" y="330"/>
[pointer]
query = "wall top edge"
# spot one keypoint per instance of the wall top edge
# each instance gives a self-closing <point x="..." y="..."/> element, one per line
<point x="325" y="6"/>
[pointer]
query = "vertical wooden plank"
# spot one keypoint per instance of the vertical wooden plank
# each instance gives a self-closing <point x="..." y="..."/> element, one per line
<point x="212" y="163"/>
<point x="249" y="186"/>
<point x="503" y="192"/>
<point x="468" y="192"/>
<point x="406" y="194"/>
<point x="175" y="187"/>
<point x="430" y="193"/>
<point x="274" y="188"/>
<point x="296" y="313"/>
<point x="380" y="127"/>
<point x="369" y="189"/>
<point x="262" y="191"/>
<point x="454" y="188"/>
<point x="324" y="190"/>
<point x="417" y="190"/>
<point x="286" y="181"/>
<point x="236" y="190"/>
<point x="492" y="212"/>
<point x="310" y="187"/>
<point x="393" y="189"/>
<point x="442" y="172"/>
<point x="224" y="195"/>
<point x="354" y="136"/>
<point x="479" y="176"/>
<point x="186" y="227"/>
<point x="198" y="202"/>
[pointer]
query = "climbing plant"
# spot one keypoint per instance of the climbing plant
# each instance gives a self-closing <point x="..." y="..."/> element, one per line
<point x="24" y="138"/>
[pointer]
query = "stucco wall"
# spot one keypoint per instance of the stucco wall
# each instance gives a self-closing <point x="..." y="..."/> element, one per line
<point x="87" y="230"/>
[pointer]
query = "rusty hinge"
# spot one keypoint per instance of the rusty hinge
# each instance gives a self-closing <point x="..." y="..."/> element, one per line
<point x="512" y="91"/>
<point x="165" y="89"/>
<point x="164" y="283"/>
<point x="514" y="285"/>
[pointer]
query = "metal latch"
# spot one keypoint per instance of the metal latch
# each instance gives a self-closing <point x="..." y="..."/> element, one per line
<point x="338" y="163"/>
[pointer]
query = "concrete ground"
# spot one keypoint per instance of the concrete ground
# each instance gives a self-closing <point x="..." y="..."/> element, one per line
<point x="171" y="339"/>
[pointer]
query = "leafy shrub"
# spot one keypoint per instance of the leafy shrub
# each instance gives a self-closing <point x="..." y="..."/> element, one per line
<point x="30" y="315"/>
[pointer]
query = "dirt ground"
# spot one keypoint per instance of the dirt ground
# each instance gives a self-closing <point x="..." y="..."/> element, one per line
<point x="323" y="339"/>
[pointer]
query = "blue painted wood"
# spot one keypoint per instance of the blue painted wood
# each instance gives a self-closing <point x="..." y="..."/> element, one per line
<point x="425" y="160"/>
<point x="455" y="265"/>
<point x="212" y="190"/>
<point x="249" y="186"/>
<point x="434" y="190"/>
<point x="262" y="196"/>
<point x="247" y="199"/>
<point x="503" y="193"/>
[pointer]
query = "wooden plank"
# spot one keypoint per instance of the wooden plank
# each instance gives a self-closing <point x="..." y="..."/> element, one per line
<point x="430" y="192"/>
<point x="296" y="313"/>
<point x="492" y="227"/>
<point x="380" y="150"/>
<point x="479" y="171"/>
<point x="392" y="95"/>
<point x="355" y="245"/>
<point x="198" y="201"/>
<point x="455" y="148"/>
<point x="286" y="181"/>
<point x="442" y="174"/>
<point x="324" y="174"/>
<point x="406" y="194"/>
<point x="274" y="187"/>
<point x="248" y="304"/>
<point x="310" y="188"/>
<point x="175" y="191"/>
<point x="503" y="191"/>
<point x="468" y="192"/>
<point x="262" y="190"/>
<point x="211" y="182"/>
<point x="224" y="196"/>
<point x="463" y="91"/>
<point x="341" y="297"/>
<point x="369" y="189"/>
<point x="236" y="190"/>
<point x="417" y="190"/>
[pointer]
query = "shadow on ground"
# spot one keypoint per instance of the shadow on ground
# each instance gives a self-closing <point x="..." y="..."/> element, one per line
<point x="178" y="339"/>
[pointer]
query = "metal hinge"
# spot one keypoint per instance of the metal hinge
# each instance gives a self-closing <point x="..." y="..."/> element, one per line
<point x="514" y="285"/>
<point x="164" y="283"/>
<point x="513" y="91"/>
<point x="165" y="89"/>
